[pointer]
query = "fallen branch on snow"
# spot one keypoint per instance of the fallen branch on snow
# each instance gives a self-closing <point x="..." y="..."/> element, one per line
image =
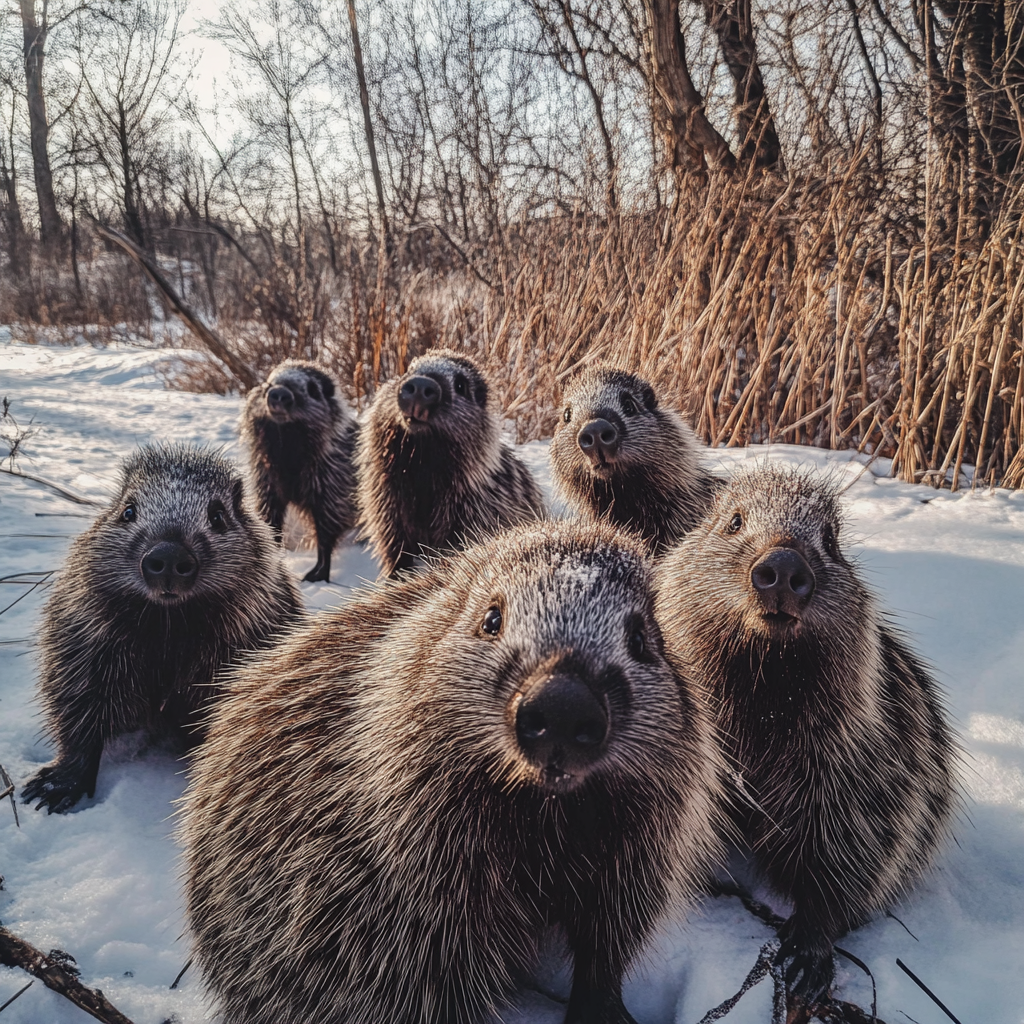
<point x="209" y="337"/>
<point x="826" y="1010"/>
<point x="63" y="491"/>
<point x="9" y="791"/>
<point x="57" y="972"/>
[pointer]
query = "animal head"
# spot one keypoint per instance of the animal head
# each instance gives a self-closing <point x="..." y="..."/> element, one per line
<point x="440" y="392"/>
<point x="296" y="392"/>
<point x="548" y="659"/>
<point x="180" y="528"/>
<point x="766" y="562"/>
<point x="610" y="423"/>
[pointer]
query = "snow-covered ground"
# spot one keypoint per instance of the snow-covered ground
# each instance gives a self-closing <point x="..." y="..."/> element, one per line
<point x="102" y="883"/>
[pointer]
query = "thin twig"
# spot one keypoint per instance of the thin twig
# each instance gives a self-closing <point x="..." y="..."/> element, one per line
<point x="761" y="969"/>
<point x="32" y="586"/>
<point x="181" y="973"/>
<point x="9" y="792"/>
<point x="63" y="491"/>
<point x="867" y="970"/>
<point x="926" y="990"/>
<point x="21" y="991"/>
<point x="889" y="913"/>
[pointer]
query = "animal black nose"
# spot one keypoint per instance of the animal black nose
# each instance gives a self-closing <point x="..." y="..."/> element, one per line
<point x="418" y="397"/>
<point x="560" y="715"/>
<point x="783" y="575"/>
<point x="170" y="566"/>
<point x="280" y="397"/>
<point x="598" y="438"/>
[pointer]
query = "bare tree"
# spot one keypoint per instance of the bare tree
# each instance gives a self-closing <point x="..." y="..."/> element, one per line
<point x="35" y="29"/>
<point x="691" y="141"/>
<point x="732" y="23"/>
<point x="125" y="56"/>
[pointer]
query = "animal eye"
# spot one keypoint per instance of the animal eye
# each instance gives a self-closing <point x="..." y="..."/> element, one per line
<point x="461" y="388"/>
<point x="492" y="621"/>
<point x="628" y="405"/>
<point x="217" y="516"/>
<point x="314" y="391"/>
<point x="735" y="524"/>
<point x="829" y="540"/>
<point x="567" y="415"/>
<point x="636" y="643"/>
<point x="129" y="513"/>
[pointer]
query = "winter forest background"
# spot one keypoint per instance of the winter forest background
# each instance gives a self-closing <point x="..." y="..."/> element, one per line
<point x="802" y="217"/>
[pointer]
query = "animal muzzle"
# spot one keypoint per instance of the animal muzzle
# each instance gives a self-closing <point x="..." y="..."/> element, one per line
<point x="599" y="440"/>
<point x="170" y="570"/>
<point x="418" y="397"/>
<point x="561" y="726"/>
<point x="280" y="401"/>
<point x="783" y="582"/>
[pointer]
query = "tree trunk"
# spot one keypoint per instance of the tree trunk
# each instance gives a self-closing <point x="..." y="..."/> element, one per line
<point x="364" y="100"/>
<point x="12" y="212"/>
<point x="691" y="141"/>
<point x="35" y="52"/>
<point x="983" y="95"/>
<point x="132" y="217"/>
<point x="759" y="141"/>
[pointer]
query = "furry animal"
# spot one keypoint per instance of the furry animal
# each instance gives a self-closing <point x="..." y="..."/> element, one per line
<point x="619" y="455"/>
<point x="394" y="805"/>
<point x="845" y="756"/>
<point x="166" y="587"/>
<point x="433" y="472"/>
<point x="301" y="441"/>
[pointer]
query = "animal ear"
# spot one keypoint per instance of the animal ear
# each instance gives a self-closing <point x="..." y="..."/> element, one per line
<point x="327" y="386"/>
<point x="237" y="495"/>
<point x="480" y="393"/>
<point x="650" y="399"/>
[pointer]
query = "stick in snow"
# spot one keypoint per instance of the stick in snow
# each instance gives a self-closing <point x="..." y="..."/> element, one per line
<point x="79" y="499"/>
<point x="761" y="968"/>
<point x="926" y="990"/>
<point x="181" y="974"/>
<point x="21" y="991"/>
<point x="9" y="791"/>
<point x="15" y="952"/>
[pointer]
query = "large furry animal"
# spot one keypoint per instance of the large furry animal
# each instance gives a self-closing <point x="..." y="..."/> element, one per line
<point x="838" y="732"/>
<point x="393" y="806"/>
<point x="166" y="587"/>
<point x="434" y="474"/>
<point x="301" y="441"/>
<point x="619" y="455"/>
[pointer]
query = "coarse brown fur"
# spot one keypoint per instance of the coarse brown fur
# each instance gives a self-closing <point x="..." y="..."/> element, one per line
<point x="846" y="762"/>
<point x="368" y="840"/>
<point x="438" y="484"/>
<point x="650" y="479"/>
<point x="301" y="453"/>
<point x="119" y="653"/>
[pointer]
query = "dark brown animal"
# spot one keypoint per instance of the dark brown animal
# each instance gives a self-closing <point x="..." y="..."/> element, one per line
<point x="394" y="806"/>
<point x="434" y="474"/>
<point x="301" y="441"/>
<point x="169" y="584"/>
<point x="619" y="455"/>
<point x="845" y="758"/>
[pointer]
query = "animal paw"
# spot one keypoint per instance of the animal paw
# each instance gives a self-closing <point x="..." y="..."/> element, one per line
<point x="318" y="574"/>
<point x="57" y="787"/>
<point x="808" y="971"/>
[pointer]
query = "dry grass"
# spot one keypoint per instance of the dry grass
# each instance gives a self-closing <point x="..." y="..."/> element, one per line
<point x="814" y="312"/>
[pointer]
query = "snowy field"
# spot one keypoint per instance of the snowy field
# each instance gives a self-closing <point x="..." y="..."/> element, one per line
<point x="102" y="881"/>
